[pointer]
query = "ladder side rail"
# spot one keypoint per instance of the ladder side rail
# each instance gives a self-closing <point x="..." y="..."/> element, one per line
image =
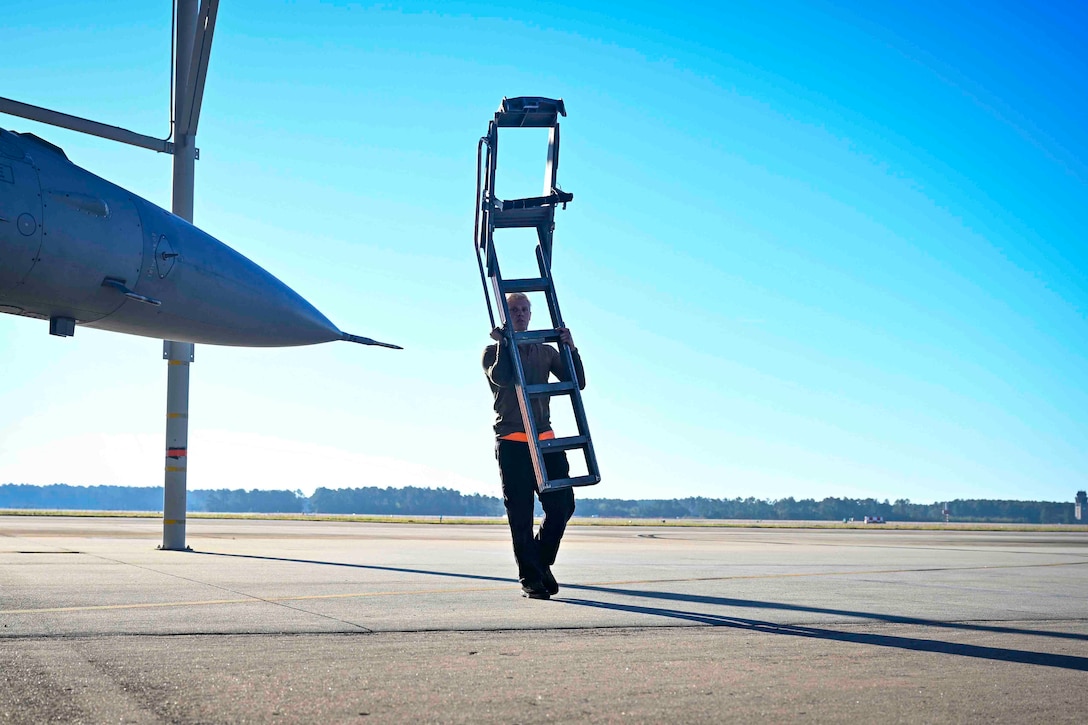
<point x="524" y="401"/>
<point x="591" y="461"/>
<point x="489" y="206"/>
<point x="528" y="423"/>
<point x="493" y="161"/>
<point x="583" y="429"/>
<point x="551" y="170"/>
<point x="482" y="230"/>
<point x="492" y="260"/>
<point x="487" y="229"/>
<point x="483" y="159"/>
<point x="531" y="432"/>
<point x="544" y="234"/>
<point x="564" y="349"/>
<point x="480" y="213"/>
<point x="544" y="260"/>
<point x="496" y="284"/>
<point x="515" y="349"/>
<point x="576" y="395"/>
<point x="551" y="180"/>
<point x="550" y="294"/>
<point x="552" y="184"/>
<point x="487" y="295"/>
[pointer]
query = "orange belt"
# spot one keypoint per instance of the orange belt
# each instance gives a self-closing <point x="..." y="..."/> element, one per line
<point x="522" y="438"/>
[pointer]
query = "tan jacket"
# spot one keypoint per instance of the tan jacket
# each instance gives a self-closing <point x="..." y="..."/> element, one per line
<point x="538" y="361"/>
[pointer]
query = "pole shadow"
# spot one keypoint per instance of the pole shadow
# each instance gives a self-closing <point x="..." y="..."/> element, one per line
<point x="371" y="567"/>
<point x="884" y="618"/>
<point x="754" y="625"/>
<point x="1001" y="654"/>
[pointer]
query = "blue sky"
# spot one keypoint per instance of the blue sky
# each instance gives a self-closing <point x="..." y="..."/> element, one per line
<point x="816" y="249"/>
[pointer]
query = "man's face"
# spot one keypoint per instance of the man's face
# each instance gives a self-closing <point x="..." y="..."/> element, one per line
<point x="519" y="313"/>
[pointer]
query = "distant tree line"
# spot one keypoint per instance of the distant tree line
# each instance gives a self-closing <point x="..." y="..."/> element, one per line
<point x="415" y="501"/>
<point x="90" y="498"/>
<point x="832" y="509"/>
<point x="403" y="501"/>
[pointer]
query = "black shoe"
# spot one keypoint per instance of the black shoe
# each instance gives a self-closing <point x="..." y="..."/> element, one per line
<point x="534" y="590"/>
<point x="549" y="582"/>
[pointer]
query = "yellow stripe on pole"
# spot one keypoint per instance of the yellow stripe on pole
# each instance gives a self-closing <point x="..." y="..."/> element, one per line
<point x="175" y="469"/>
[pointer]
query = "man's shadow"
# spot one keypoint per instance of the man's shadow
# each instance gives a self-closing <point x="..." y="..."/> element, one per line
<point x="764" y="627"/>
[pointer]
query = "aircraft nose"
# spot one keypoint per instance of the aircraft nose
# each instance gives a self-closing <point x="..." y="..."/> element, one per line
<point x="211" y="294"/>
<point x="239" y="303"/>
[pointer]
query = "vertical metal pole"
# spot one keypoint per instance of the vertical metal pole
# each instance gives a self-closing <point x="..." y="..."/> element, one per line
<point x="179" y="354"/>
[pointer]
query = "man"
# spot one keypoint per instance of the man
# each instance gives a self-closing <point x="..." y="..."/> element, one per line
<point x="534" y="554"/>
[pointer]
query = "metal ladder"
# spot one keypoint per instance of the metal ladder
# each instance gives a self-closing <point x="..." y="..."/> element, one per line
<point x="536" y="212"/>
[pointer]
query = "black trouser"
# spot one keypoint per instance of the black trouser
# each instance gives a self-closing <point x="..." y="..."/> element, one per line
<point x="518" y="488"/>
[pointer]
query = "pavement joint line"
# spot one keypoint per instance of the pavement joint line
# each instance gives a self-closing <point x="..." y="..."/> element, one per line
<point x="281" y="601"/>
<point x="840" y="573"/>
<point x="674" y="536"/>
<point x="1006" y="550"/>
<point x="249" y="600"/>
<point x="249" y="597"/>
<point x="768" y="627"/>
<point x="940" y="626"/>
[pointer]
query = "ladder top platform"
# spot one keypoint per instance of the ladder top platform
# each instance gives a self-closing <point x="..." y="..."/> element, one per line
<point x="529" y="112"/>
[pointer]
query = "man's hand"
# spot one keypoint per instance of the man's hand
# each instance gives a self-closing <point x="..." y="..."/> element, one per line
<point x="498" y="335"/>
<point x="565" y="338"/>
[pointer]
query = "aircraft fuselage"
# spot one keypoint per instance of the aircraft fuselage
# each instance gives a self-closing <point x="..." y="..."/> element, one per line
<point x="77" y="249"/>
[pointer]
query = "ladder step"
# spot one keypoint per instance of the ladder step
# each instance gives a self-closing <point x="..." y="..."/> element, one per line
<point x="558" y="196"/>
<point x="532" y="284"/>
<point x="550" y="389"/>
<point x="536" y="336"/>
<point x="556" y="483"/>
<point x="537" y="216"/>
<point x="563" y="444"/>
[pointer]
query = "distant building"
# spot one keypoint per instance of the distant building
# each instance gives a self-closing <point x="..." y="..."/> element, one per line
<point x="1081" y="509"/>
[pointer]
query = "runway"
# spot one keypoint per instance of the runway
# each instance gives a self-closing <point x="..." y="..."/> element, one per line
<point x="308" y="621"/>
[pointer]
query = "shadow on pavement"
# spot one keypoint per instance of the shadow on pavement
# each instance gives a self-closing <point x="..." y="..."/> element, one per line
<point x="910" y="643"/>
<point x="886" y="618"/>
<point x="372" y="567"/>
<point x="1068" y="662"/>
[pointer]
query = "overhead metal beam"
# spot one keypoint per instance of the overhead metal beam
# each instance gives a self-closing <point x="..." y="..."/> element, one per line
<point x="198" y="67"/>
<point x="84" y="125"/>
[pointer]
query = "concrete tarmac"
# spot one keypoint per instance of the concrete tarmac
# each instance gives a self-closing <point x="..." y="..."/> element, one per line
<point x="306" y="621"/>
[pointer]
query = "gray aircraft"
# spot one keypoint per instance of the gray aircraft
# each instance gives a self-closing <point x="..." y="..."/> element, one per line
<point x="76" y="249"/>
